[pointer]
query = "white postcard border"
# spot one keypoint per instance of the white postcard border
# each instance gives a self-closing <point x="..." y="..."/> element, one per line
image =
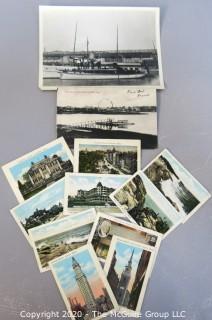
<point x="100" y="271"/>
<point x="109" y="142"/>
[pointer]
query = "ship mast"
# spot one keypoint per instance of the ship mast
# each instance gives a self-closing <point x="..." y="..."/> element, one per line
<point x="117" y="44"/>
<point x="75" y="38"/>
<point x="87" y="47"/>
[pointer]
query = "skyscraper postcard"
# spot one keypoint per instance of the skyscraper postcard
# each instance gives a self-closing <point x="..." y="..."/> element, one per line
<point x="128" y="267"/>
<point x="36" y="170"/>
<point x="107" y="113"/>
<point x="99" y="46"/>
<point x="43" y="208"/>
<point x="83" y="285"/>
<point x="84" y="191"/>
<point x="185" y="194"/>
<point x="107" y="156"/>
<point x="142" y="203"/>
<point x="106" y="227"/>
<point x="59" y="238"/>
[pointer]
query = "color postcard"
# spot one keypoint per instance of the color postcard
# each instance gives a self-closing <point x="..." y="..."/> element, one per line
<point x="36" y="170"/>
<point x="84" y="191"/>
<point x="185" y="194"/>
<point x="142" y="203"/>
<point x="43" y="208"/>
<point x="60" y="237"/>
<point x="107" y="156"/>
<point x="83" y="285"/>
<point x="106" y="227"/>
<point x="128" y="267"/>
<point x="107" y="113"/>
<point x="99" y="46"/>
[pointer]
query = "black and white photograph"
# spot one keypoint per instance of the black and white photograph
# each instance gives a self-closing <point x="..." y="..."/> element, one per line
<point x="107" y="113"/>
<point x="107" y="156"/>
<point x="107" y="46"/>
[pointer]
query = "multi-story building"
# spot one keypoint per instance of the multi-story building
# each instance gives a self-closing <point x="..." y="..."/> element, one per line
<point x="85" y="288"/>
<point x="122" y="289"/>
<point x="43" y="172"/>
<point x="98" y="195"/>
<point x="125" y="161"/>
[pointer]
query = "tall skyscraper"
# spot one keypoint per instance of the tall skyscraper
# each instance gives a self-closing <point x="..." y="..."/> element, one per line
<point x="122" y="289"/>
<point x="84" y="287"/>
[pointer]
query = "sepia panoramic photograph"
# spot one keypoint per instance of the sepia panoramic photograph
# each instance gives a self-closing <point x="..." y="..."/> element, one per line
<point x="107" y="156"/>
<point x="127" y="267"/>
<point x="39" y="169"/>
<point x="44" y="207"/>
<point x="145" y="205"/>
<point x="107" y="46"/>
<point x="83" y="285"/>
<point x="175" y="183"/>
<point x="107" y="227"/>
<point x="84" y="191"/>
<point x="107" y="113"/>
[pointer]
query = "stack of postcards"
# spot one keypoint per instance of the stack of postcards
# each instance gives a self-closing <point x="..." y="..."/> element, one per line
<point x="89" y="211"/>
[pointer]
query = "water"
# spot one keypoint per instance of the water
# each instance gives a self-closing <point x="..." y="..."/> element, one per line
<point x="132" y="82"/>
<point x="140" y="123"/>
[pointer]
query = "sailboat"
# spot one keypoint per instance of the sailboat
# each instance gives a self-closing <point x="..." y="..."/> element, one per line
<point x="89" y="69"/>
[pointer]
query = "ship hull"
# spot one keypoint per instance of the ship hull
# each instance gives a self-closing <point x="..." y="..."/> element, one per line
<point x="93" y="76"/>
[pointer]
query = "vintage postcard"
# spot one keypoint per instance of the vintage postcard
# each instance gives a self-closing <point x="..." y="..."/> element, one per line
<point x="107" y="156"/>
<point x="128" y="267"/>
<point x="106" y="227"/>
<point x="104" y="46"/>
<point x="83" y="285"/>
<point x="185" y="194"/>
<point x="107" y="113"/>
<point x="140" y="200"/>
<point x="42" y="208"/>
<point x="84" y="191"/>
<point x="60" y="237"/>
<point x="36" y="170"/>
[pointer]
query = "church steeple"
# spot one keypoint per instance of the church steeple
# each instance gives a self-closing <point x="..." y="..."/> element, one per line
<point x="130" y="261"/>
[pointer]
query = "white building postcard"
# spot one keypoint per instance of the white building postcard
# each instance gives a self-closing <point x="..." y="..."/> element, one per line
<point x="36" y="170"/>
<point x="107" y="156"/>
<point x="83" y="285"/>
<point x="104" y="46"/>
<point x="128" y="267"/>
<point x="60" y="237"/>
<point x="84" y="191"/>
<point x="107" y="113"/>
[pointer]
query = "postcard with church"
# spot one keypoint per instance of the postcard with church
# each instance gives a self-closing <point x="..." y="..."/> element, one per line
<point x="60" y="237"/>
<point x="42" y="208"/>
<point x="85" y="190"/>
<point x="83" y="285"/>
<point x="107" y="156"/>
<point x="185" y="194"/>
<point x="107" y="113"/>
<point x="35" y="171"/>
<point x="99" y="46"/>
<point x="128" y="267"/>
<point x="106" y="227"/>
